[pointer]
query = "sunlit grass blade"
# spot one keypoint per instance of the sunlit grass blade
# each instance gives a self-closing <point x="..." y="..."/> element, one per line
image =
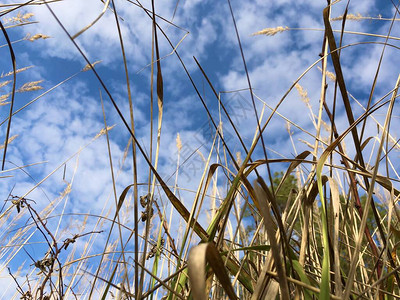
<point x="275" y="247"/>
<point x="198" y="257"/>
<point x="14" y="64"/>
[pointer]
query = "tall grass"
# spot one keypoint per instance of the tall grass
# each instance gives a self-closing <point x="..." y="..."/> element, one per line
<point x="334" y="236"/>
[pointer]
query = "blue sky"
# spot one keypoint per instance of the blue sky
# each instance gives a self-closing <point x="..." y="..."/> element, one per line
<point x="59" y="124"/>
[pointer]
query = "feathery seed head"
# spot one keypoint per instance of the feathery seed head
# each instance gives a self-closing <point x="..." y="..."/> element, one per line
<point x="178" y="142"/>
<point x="271" y="31"/>
<point x="30" y="86"/>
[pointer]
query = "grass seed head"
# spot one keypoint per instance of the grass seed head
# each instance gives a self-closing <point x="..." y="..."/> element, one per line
<point x="239" y="158"/>
<point x="303" y="93"/>
<point x="16" y="72"/>
<point x="37" y="36"/>
<point x="30" y="86"/>
<point x="4" y="83"/>
<point x="329" y="74"/>
<point x="88" y="67"/>
<point x="178" y="142"/>
<point x="9" y="141"/>
<point x="19" y="18"/>
<point x="4" y="98"/>
<point x="353" y="17"/>
<point x="271" y="31"/>
<point x="103" y="131"/>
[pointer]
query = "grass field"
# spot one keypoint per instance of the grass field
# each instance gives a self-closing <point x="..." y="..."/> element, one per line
<point x="292" y="198"/>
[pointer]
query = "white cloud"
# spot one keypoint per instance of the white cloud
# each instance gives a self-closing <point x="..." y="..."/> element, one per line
<point x="101" y="41"/>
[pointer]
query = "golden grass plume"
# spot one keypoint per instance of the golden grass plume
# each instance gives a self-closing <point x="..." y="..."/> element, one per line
<point x="30" y="86"/>
<point x="271" y="31"/>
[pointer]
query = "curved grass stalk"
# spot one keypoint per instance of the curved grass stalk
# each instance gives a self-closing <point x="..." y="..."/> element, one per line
<point x="106" y="4"/>
<point x="354" y="263"/>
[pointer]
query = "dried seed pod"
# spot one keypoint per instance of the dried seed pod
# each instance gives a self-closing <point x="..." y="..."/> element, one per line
<point x="144" y="216"/>
<point x="144" y="200"/>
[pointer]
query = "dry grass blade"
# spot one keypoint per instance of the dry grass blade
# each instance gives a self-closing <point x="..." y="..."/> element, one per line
<point x="349" y="283"/>
<point x="336" y="254"/>
<point x="293" y="165"/>
<point x="252" y="98"/>
<point x="223" y="107"/>
<point x="160" y="99"/>
<point x="197" y="271"/>
<point x="308" y="233"/>
<point x="275" y="248"/>
<point x="340" y="80"/>
<point x="350" y="117"/>
<point x="94" y="21"/>
<point x="12" y="93"/>
<point x="134" y="163"/>
<point x="198" y="257"/>
<point x="174" y="200"/>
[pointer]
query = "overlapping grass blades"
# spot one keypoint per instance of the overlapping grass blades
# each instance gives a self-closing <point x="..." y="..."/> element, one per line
<point x="332" y="234"/>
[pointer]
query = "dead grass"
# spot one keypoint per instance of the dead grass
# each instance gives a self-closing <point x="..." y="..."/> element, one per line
<point x="334" y="236"/>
